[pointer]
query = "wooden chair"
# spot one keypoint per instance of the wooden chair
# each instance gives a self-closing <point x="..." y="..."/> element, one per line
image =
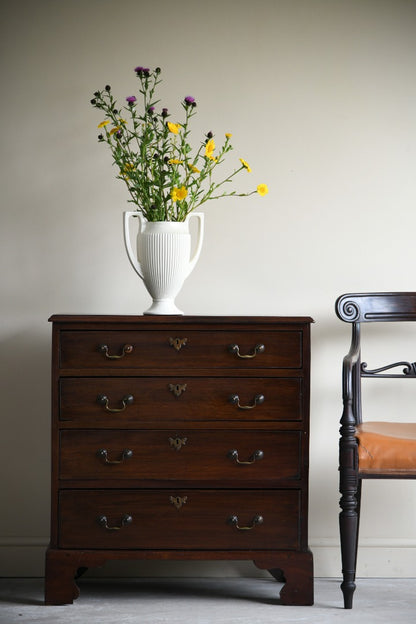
<point x="369" y="450"/>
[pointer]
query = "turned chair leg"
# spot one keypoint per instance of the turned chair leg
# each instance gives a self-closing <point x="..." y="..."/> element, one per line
<point x="349" y="524"/>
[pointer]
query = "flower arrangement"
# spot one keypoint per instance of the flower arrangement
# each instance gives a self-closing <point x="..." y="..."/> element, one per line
<point x="166" y="179"/>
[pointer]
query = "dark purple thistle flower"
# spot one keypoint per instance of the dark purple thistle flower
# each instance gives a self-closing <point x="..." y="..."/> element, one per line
<point x="164" y="112"/>
<point x="131" y="99"/>
<point x="142" y="71"/>
<point x="189" y="100"/>
<point x="151" y="110"/>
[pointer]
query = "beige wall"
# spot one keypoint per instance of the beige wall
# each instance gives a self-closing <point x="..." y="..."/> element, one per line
<point x="320" y="97"/>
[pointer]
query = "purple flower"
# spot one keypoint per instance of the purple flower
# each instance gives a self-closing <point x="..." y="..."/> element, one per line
<point x="140" y="71"/>
<point x="131" y="99"/>
<point x="164" y="112"/>
<point x="189" y="100"/>
<point x="151" y="110"/>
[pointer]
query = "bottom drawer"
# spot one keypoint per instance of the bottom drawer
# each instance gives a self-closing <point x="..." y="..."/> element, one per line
<point x="170" y="519"/>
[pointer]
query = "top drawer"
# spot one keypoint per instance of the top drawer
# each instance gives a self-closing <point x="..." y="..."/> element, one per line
<point x="158" y="349"/>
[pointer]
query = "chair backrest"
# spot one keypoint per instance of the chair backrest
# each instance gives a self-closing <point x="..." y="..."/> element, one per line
<point x="377" y="307"/>
<point x="357" y="308"/>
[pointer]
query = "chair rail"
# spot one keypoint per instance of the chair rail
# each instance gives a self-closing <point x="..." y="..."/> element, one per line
<point x="376" y="307"/>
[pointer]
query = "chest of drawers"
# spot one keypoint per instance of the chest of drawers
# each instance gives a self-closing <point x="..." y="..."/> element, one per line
<point x="180" y="438"/>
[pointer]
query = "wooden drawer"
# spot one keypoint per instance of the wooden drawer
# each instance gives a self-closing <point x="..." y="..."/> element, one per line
<point x="180" y="455"/>
<point x="178" y="349"/>
<point x="178" y="398"/>
<point x="186" y="519"/>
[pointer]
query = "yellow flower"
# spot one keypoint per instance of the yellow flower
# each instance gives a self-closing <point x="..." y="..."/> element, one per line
<point x="193" y="168"/>
<point x="181" y="193"/>
<point x="228" y="135"/>
<point x="114" y="130"/>
<point x="245" y="165"/>
<point x="103" y="123"/>
<point x="178" y="194"/>
<point x="126" y="170"/>
<point x="173" y="127"/>
<point x="262" y="189"/>
<point x="209" y="148"/>
<point x="127" y="167"/>
<point x="175" y="161"/>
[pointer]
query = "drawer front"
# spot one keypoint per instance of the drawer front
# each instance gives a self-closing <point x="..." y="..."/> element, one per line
<point x="236" y="456"/>
<point x="145" y="350"/>
<point x="187" y="519"/>
<point x="114" y="402"/>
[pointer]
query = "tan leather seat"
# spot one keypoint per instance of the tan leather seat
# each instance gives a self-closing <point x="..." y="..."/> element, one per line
<point x="386" y="447"/>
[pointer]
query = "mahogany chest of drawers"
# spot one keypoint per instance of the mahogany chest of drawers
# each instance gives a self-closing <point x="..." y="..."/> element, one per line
<point x="180" y="438"/>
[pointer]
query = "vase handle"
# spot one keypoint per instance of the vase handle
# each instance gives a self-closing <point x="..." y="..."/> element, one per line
<point x="194" y="259"/>
<point x="127" y="241"/>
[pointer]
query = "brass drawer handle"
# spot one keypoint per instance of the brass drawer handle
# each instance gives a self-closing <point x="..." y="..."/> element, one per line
<point x="126" y="519"/>
<point x="235" y="400"/>
<point x="127" y="348"/>
<point x="126" y="400"/>
<point x="235" y="350"/>
<point x="256" y="456"/>
<point x="103" y="454"/>
<point x="233" y="520"/>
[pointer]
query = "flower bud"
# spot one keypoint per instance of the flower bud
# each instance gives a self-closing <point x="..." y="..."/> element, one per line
<point x="107" y="88"/>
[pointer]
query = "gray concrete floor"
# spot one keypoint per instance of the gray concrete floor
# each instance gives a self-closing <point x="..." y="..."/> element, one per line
<point x="206" y="601"/>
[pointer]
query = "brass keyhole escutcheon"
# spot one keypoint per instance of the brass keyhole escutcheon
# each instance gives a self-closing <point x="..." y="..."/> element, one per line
<point x="178" y="343"/>
<point x="177" y="443"/>
<point x="178" y="501"/>
<point x="177" y="389"/>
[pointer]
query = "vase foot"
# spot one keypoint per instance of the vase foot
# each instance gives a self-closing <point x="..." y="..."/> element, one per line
<point x="164" y="306"/>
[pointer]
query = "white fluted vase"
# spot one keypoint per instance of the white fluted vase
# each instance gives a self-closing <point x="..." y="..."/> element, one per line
<point x="163" y="257"/>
